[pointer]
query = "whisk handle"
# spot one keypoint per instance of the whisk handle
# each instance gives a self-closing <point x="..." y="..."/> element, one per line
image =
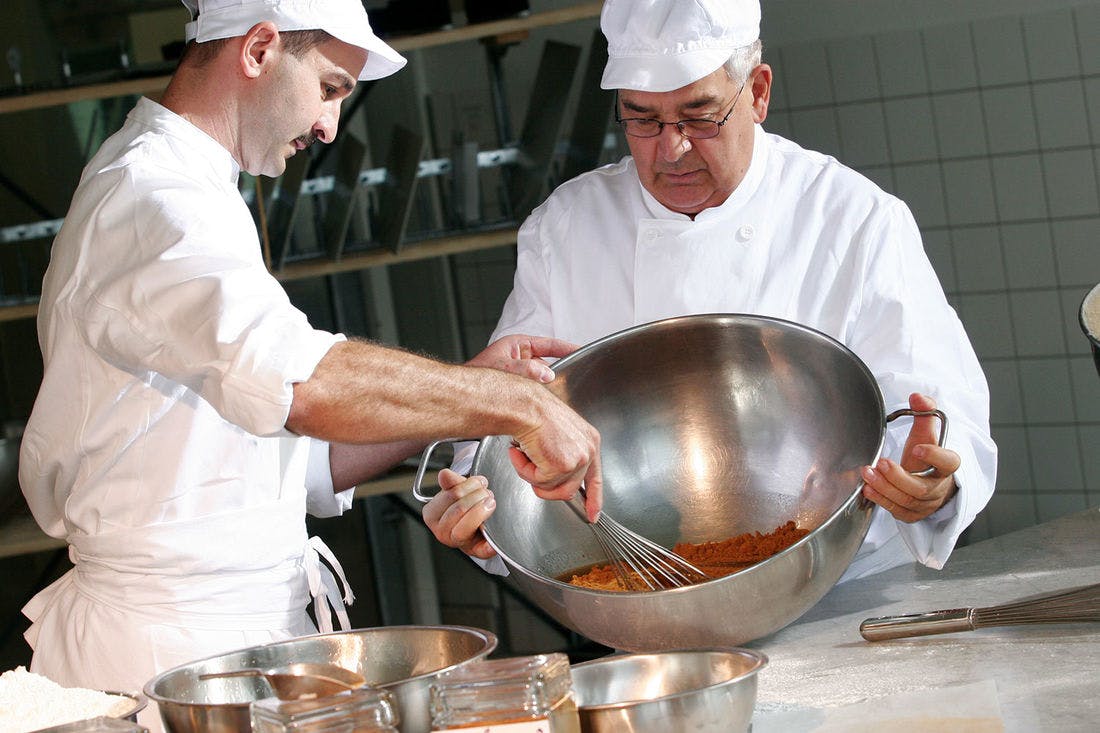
<point x="917" y="624"/>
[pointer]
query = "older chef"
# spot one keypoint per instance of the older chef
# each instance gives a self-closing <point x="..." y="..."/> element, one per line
<point x="168" y="443"/>
<point x="712" y="214"/>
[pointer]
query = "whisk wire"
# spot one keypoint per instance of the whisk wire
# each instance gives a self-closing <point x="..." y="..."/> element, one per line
<point x="1079" y="604"/>
<point x="661" y="568"/>
<point x="635" y="558"/>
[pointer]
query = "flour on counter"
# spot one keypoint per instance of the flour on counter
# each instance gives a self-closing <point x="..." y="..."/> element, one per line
<point x="29" y="702"/>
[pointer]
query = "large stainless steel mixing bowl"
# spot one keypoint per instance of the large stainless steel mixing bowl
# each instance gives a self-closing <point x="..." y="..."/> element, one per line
<point x="701" y="690"/>
<point x="711" y="426"/>
<point x="402" y="659"/>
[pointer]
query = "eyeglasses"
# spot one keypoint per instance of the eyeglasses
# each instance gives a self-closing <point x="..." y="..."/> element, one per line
<point x="698" y="129"/>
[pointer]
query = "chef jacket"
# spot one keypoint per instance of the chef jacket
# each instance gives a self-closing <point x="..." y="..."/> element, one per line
<point x="156" y="446"/>
<point x="802" y="238"/>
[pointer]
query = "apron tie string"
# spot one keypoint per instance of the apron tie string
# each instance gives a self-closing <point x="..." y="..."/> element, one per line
<point x="323" y="586"/>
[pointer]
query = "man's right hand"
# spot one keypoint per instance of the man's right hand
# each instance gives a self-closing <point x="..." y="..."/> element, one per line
<point x="559" y="455"/>
<point x="562" y="450"/>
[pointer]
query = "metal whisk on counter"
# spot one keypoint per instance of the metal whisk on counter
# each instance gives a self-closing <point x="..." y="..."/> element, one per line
<point x="1069" y="606"/>
<point x="638" y="562"/>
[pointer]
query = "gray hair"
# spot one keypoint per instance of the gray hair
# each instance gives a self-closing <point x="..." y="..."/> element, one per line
<point x="743" y="60"/>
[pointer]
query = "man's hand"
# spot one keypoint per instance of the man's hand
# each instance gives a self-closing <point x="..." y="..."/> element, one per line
<point x="555" y="444"/>
<point x="564" y="450"/>
<point x="456" y="513"/>
<point x="907" y="497"/>
<point x="523" y="355"/>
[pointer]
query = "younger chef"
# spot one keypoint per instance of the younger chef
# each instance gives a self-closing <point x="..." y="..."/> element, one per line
<point x="168" y="442"/>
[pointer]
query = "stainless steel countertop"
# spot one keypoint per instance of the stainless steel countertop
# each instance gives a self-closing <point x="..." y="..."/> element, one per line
<point x="822" y="673"/>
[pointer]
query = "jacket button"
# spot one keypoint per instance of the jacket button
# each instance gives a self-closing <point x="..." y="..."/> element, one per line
<point x="745" y="233"/>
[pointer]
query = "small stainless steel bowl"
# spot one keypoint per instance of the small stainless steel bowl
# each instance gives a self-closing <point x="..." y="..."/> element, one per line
<point x="701" y="690"/>
<point x="402" y="659"/>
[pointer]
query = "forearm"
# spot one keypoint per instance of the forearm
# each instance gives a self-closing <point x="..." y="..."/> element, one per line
<point x="352" y="464"/>
<point x="364" y="393"/>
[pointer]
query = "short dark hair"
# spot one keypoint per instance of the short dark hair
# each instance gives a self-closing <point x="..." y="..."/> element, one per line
<point x="295" y="42"/>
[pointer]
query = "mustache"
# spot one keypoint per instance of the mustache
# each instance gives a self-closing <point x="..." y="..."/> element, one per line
<point x="306" y="140"/>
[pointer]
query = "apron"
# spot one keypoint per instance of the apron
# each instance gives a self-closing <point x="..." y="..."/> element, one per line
<point x="131" y="607"/>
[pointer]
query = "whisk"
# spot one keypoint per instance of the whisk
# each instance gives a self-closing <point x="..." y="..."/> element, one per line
<point x="638" y="562"/>
<point x="1068" y="606"/>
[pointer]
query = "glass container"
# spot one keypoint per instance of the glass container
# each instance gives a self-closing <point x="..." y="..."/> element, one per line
<point x="364" y="710"/>
<point x="531" y="694"/>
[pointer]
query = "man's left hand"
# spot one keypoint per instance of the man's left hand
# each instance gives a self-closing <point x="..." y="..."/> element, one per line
<point x="907" y="497"/>
<point x="523" y="355"/>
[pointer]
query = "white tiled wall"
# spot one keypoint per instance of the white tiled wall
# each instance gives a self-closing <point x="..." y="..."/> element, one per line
<point x="990" y="130"/>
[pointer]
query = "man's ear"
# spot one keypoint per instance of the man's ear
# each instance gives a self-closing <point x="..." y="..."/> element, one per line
<point x="259" y="47"/>
<point x="761" y="80"/>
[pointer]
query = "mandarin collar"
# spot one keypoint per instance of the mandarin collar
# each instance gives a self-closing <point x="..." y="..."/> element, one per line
<point x="219" y="162"/>
<point x="735" y="201"/>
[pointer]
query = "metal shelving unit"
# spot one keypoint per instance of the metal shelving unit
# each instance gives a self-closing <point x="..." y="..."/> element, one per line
<point x="508" y="30"/>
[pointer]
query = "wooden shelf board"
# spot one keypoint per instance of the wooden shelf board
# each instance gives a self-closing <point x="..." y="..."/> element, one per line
<point x="417" y="251"/>
<point x="507" y="26"/>
<point x="398" y="481"/>
<point x="154" y="85"/>
<point x="149" y="86"/>
<point x="21" y="535"/>
<point x="18" y="312"/>
<point x="320" y="267"/>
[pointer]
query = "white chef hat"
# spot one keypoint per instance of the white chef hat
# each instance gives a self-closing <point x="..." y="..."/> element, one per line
<point x="343" y="19"/>
<point x="661" y="45"/>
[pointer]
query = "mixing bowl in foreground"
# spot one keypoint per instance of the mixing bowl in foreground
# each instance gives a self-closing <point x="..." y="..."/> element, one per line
<point x="711" y="426"/>
<point x="401" y="659"/>
<point x="701" y="690"/>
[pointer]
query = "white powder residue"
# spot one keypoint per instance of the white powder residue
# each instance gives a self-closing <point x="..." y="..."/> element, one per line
<point x="791" y="682"/>
<point x="30" y="702"/>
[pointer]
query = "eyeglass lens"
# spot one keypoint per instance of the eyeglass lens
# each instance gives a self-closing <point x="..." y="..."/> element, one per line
<point x="651" y="128"/>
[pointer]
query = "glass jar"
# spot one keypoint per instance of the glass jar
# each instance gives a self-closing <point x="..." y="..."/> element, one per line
<point x="515" y="695"/>
<point x="364" y="710"/>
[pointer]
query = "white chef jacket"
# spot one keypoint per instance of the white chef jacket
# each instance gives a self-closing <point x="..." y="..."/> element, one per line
<point x="156" y="445"/>
<point x="802" y="238"/>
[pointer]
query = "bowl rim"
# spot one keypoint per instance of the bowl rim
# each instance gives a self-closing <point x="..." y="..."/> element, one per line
<point x="140" y="702"/>
<point x="842" y="508"/>
<point x="759" y="661"/>
<point x="489" y="639"/>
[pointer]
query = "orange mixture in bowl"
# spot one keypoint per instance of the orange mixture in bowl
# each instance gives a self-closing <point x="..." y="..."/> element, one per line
<point x="716" y="559"/>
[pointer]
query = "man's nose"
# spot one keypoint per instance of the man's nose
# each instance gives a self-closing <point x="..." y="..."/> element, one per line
<point x="327" y="124"/>
<point x="672" y="144"/>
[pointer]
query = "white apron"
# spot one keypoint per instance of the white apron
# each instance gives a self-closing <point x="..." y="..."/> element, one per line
<point x="125" y="617"/>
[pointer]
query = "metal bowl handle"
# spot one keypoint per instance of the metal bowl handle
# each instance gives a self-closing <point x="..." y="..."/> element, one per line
<point x="924" y="413"/>
<point x="422" y="468"/>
